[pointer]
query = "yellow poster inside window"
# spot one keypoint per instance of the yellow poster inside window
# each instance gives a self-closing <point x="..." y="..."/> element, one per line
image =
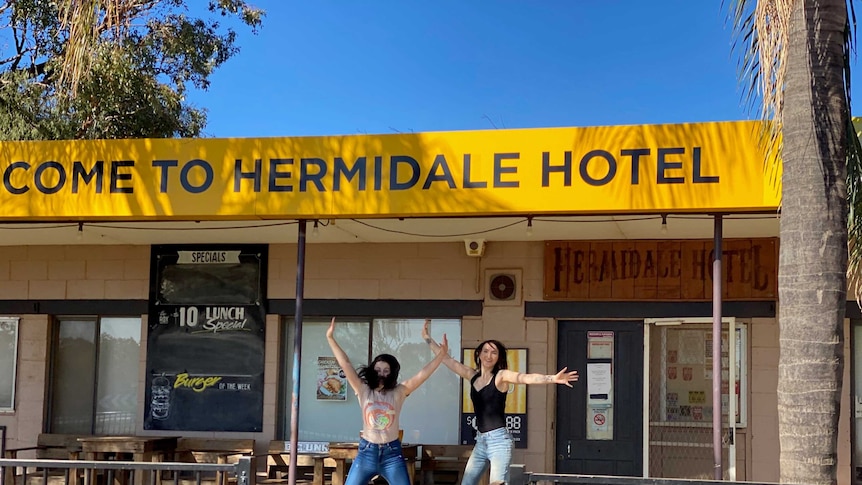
<point x="516" y="402"/>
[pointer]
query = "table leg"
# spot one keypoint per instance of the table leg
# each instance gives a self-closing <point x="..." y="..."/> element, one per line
<point x="140" y="475"/>
<point x="10" y="470"/>
<point x="75" y="473"/>
<point x="427" y="475"/>
<point x="220" y="476"/>
<point x="411" y="470"/>
<point x="161" y="457"/>
<point x="90" y="474"/>
<point x="338" y="473"/>
<point x="318" y="471"/>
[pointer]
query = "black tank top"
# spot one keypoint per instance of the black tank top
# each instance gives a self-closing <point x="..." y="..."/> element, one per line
<point x="490" y="405"/>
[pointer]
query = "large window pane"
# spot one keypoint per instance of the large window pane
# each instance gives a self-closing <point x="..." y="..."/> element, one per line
<point x="430" y="415"/>
<point x="74" y="379"/>
<point x="95" y="376"/>
<point x="117" y="390"/>
<point x="327" y="420"/>
<point x="8" y="358"/>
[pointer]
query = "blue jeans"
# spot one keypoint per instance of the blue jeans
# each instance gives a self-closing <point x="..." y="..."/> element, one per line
<point x="385" y="460"/>
<point x="494" y="447"/>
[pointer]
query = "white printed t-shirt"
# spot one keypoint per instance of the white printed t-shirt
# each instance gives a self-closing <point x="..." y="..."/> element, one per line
<point x="380" y="411"/>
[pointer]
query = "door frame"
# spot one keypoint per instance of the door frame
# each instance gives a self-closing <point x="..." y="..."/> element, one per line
<point x="731" y="403"/>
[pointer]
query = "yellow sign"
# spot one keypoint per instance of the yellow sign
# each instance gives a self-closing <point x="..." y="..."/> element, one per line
<point x="700" y="167"/>
<point x="197" y="384"/>
<point x="516" y="401"/>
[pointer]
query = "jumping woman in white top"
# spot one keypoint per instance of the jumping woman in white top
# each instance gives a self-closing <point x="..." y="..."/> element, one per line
<point x="380" y="398"/>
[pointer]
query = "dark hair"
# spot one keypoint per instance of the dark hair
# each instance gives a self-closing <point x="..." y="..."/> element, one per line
<point x="369" y="375"/>
<point x="502" y="362"/>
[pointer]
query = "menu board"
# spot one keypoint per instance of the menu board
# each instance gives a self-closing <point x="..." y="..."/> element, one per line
<point x="205" y="338"/>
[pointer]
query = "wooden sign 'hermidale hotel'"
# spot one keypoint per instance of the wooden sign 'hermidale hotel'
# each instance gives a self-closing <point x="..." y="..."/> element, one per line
<point x="671" y="270"/>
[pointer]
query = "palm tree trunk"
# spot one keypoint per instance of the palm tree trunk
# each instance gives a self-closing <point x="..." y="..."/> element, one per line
<point x="813" y="255"/>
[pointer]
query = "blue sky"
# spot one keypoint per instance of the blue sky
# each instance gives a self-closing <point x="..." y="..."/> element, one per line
<point x="341" y="67"/>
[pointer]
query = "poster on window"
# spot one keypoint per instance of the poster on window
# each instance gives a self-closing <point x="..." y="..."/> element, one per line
<point x="516" y="401"/>
<point x="205" y="339"/>
<point x="331" y="381"/>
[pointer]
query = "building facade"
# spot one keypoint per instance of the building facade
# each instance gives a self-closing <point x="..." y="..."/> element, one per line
<point x="175" y="313"/>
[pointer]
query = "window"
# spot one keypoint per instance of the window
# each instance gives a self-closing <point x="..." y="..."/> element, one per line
<point x="8" y="360"/>
<point x="430" y="415"/>
<point x="94" y="386"/>
<point x="685" y="354"/>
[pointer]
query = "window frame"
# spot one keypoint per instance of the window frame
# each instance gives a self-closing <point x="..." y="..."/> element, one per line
<point x="15" y="323"/>
<point x="96" y="320"/>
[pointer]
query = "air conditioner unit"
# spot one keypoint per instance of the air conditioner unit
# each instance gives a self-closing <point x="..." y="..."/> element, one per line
<point x="502" y="287"/>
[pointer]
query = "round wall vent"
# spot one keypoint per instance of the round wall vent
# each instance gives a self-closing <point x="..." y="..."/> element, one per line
<point x="502" y="287"/>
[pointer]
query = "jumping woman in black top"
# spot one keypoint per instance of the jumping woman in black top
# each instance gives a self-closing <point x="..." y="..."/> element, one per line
<point x="488" y="391"/>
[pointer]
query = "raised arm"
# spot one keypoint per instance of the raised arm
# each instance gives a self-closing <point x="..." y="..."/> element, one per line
<point x="562" y="377"/>
<point x="453" y="365"/>
<point x="414" y="382"/>
<point x="349" y="372"/>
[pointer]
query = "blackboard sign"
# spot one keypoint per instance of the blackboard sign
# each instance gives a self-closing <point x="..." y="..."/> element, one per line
<point x="205" y="339"/>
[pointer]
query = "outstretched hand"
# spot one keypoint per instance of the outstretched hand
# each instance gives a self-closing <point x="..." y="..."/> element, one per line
<point x="444" y="346"/>
<point x="566" y="378"/>
<point x="330" y="333"/>
<point x="425" y="334"/>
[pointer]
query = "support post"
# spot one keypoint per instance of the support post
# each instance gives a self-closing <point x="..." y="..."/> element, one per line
<point x="297" y="351"/>
<point x="716" y="347"/>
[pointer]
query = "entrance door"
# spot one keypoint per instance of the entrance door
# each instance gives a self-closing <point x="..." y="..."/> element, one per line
<point x="600" y="420"/>
<point x="681" y="405"/>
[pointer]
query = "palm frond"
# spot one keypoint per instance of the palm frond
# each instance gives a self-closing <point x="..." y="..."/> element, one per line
<point x="854" y="170"/>
<point x="760" y="33"/>
<point x="854" y="218"/>
<point x="86" y="21"/>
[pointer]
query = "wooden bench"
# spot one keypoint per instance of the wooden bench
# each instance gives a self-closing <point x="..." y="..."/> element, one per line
<point x="310" y="467"/>
<point x="444" y="464"/>
<point x="213" y="450"/>
<point x="49" y="446"/>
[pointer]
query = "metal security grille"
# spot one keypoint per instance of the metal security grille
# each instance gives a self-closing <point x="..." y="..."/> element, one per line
<point x="680" y="399"/>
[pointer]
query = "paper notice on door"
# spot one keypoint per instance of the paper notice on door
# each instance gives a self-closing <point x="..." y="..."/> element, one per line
<point x="600" y="345"/>
<point x="599" y="379"/>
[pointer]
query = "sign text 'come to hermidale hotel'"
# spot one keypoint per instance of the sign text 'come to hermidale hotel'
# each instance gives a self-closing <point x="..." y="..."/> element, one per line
<point x="651" y="168"/>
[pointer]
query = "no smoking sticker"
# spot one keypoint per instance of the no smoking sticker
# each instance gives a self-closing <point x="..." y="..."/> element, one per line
<point x="600" y="427"/>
